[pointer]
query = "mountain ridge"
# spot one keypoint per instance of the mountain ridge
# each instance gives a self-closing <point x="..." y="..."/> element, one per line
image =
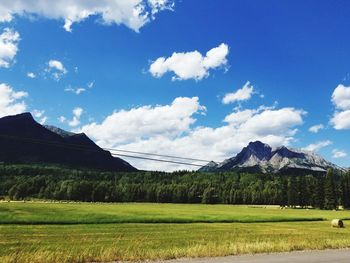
<point x="260" y="157"/>
<point x="23" y="140"/>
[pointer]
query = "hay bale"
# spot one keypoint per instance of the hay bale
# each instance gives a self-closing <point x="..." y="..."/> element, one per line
<point x="337" y="223"/>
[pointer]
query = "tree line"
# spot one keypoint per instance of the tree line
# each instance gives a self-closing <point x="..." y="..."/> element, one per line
<point x="324" y="191"/>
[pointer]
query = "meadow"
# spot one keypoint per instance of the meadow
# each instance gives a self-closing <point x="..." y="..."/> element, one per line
<point x="90" y="232"/>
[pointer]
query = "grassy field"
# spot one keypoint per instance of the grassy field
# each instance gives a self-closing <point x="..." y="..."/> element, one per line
<point x="92" y="213"/>
<point x="98" y="232"/>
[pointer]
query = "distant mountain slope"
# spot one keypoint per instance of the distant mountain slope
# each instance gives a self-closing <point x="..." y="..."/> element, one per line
<point x="260" y="157"/>
<point x="23" y="140"/>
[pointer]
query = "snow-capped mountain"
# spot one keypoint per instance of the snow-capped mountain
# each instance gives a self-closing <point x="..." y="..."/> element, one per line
<point x="260" y="157"/>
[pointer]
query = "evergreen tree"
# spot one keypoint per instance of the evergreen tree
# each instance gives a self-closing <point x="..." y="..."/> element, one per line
<point x="284" y="192"/>
<point x="47" y="182"/>
<point x="345" y="185"/>
<point x="302" y="191"/>
<point x="209" y="196"/>
<point x="292" y="191"/>
<point x="318" y="195"/>
<point x="330" y="191"/>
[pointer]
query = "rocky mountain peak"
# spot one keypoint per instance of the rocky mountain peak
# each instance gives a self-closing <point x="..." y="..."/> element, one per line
<point x="261" y="150"/>
<point x="260" y="157"/>
<point x="284" y="152"/>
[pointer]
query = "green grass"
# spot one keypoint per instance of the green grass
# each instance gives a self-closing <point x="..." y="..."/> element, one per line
<point x="86" y="232"/>
<point x="86" y="213"/>
<point x="107" y="242"/>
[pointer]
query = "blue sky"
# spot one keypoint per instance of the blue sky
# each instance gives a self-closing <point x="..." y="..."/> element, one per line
<point x="96" y="72"/>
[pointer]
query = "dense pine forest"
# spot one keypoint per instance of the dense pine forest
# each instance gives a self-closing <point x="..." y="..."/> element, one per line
<point x="24" y="182"/>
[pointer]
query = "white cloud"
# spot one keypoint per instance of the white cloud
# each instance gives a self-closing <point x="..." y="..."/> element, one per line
<point x="245" y="93"/>
<point x="80" y="90"/>
<point x="316" y="128"/>
<point x="131" y="13"/>
<point x="75" y="121"/>
<point x="145" y="122"/>
<point x="239" y="117"/>
<point x="341" y="100"/>
<point x="76" y="91"/>
<point x="40" y="114"/>
<point x="55" y="64"/>
<point x="190" y="65"/>
<point x="269" y="121"/>
<point x="31" y="75"/>
<point x="62" y="119"/>
<point x="341" y="120"/>
<point x="91" y="84"/>
<point x="8" y="47"/>
<point x="315" y="147"/>
<point x="77" y="112"/>
<point x="56" y="68"/>
<point x="170" y="129"/>
<point x="338" y="153"/>
<point x="160" y="5"/>
<point x="341" y="97"/>
<point x="11" y="102"/>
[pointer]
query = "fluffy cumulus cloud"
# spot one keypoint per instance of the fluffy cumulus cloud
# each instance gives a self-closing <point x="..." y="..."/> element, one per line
<point x="341" y="100"/>
<point x="145" y="122"/>
<point x="341" y="97"/>
<point x="8" y="47"/>
<point x="170" y="129"/>
<point x="315" y="147"/>
<point x="56" y="69"/>
<point x="316" y="128"/>
<point x="245" y="93"/>
<point x="131" y="13"/>
<point x="11" y="102"/>
<point x="341" y="120"/>
<point x="338" y="153"/>
<point x="190" y="65"/>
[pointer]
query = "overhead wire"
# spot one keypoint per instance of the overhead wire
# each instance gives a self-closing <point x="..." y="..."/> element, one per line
<point x="158" y="160"/>
<point x="81" y="147"/>
<point x="156" y="154"/>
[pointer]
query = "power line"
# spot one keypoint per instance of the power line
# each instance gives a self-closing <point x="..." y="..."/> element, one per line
<point x="70" y="145"/>
<point x="155" y="154"/>
<point x="81" y="147"/>
<point x="158" y="160"/>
